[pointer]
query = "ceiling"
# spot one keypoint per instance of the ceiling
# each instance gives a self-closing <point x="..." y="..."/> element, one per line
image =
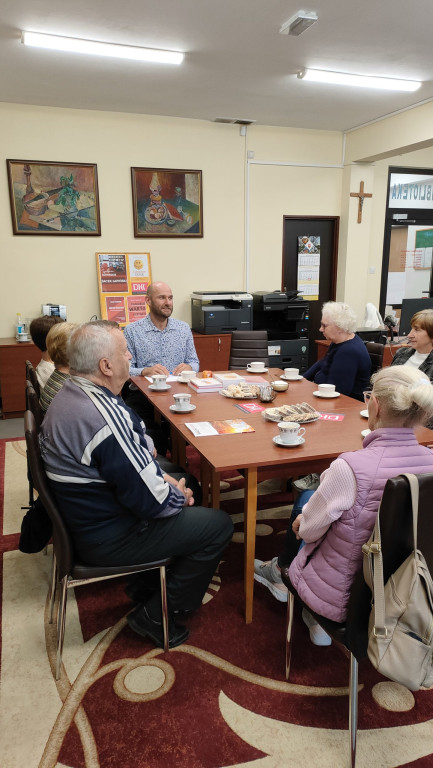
<point x="236" y="64"/>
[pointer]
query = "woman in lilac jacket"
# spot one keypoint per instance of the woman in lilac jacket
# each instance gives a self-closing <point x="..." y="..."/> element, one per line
<point x="339" y="516"/>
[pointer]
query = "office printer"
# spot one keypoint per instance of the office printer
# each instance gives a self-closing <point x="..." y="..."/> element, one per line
<point x="284" y="315"/>
<point x="221" y="311"/>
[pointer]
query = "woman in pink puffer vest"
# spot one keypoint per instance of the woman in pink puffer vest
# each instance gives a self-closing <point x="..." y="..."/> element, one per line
<point x="339" y="516"/>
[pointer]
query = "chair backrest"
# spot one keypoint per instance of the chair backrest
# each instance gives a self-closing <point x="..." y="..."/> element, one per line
<point x="397" y="543"/>
<point x="32" y="378"/>
<point x="375" y="351"/>
<point x="32" y="404"/>
<point x="61" y="540"/>
<point x="247" y="346"/>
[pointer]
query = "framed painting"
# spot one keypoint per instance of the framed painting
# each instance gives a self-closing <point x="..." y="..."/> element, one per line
<point x="167" y="203"/>
<point x="53" y="198"/>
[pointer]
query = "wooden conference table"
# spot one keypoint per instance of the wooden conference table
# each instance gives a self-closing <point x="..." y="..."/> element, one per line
<point x="254" y="451"/>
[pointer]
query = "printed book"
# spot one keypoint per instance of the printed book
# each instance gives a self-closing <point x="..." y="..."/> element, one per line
<point x="229" y="377"/>
<point x="225" y="427"/>
<point x="205" y="385"/>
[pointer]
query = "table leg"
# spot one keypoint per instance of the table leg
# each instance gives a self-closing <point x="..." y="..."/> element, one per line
<point x="205" y="481"/>
<point x="250" y="516"/>
<point x="215" y="489"/>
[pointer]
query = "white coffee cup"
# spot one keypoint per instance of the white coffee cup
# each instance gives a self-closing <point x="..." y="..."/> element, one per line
<point x="326" y="389"/>
<point x="159" y="380"/>
<point x="291" y="373"/>
<point x="182" y="401"/>
<point x="290" y="431"/>
<point x="256" y="367"/>
<point x="186" y="376"/>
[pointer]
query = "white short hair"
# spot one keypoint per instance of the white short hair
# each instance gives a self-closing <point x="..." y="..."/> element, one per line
<point x="341" y="315"/>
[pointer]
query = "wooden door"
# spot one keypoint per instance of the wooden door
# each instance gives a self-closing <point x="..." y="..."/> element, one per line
<point x="327" y="228"/>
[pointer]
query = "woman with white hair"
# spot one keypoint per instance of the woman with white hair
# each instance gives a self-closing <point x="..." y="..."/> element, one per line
<point x="347" y="363"/>
<point x="335" y="520"/>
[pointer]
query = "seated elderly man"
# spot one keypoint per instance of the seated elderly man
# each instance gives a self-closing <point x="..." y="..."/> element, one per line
<point x="158" y="343"/>
<point x="117" y="503"/>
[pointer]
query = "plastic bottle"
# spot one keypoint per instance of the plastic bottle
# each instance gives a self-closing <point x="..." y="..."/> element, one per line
<point x="19" y="323"/>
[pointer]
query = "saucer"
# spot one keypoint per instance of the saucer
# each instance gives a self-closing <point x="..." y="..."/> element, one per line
<point x="320" y="394"/>
<point x="277" y="440"/>
<point x="262" y="370"/>
<point x="190" y="408"/>
<point x="294" y="378"/>
<point x="159" y="389"/>
<point x="364" y="414"/>
<point x="365" y="432"/>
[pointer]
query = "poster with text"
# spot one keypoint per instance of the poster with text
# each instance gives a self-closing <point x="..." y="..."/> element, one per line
<point x="123" y="279"/>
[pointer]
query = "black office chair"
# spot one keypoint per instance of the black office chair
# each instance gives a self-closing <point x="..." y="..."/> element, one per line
<point x="247" y="346"/>
<point x="67" y="569"/>
<point x="32" y="378"/>
<point x="397" y="544"/>
<point x="375" y="351"/>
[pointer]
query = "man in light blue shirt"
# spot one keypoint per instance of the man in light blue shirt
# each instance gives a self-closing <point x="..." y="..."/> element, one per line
<point x="158" y="344"/>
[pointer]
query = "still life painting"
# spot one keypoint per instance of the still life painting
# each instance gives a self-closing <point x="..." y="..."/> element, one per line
<point x="53" y="198"/>
<point x="167" y="203"/>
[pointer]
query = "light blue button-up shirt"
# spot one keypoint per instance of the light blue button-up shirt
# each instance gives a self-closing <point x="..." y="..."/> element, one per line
<point x="149" y="345"/>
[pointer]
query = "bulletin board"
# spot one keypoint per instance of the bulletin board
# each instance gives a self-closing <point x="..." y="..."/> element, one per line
<point x="123" y="279"/>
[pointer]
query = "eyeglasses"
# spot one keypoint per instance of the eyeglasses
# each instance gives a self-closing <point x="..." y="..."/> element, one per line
<point x="367" y="395"/>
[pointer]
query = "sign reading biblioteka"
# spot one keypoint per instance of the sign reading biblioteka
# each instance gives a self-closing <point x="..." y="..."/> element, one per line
<point x="407" y="190"/>
<point x="123" y="279"/>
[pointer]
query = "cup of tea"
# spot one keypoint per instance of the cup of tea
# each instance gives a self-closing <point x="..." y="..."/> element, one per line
<point x="159" y="380"/>
<point x="256" y="366"/>
<point x="182" y="401"/>
<point x="290" y="431"/>
<point x="326" y="389"/>
<point x="291" y="373"/>
<point x="186" y="376"/>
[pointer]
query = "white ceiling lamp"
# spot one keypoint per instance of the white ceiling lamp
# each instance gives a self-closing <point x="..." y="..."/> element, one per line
<point x="360" y="81"/>
<point x="76" y="45"/>
<point x="298" y="23"/>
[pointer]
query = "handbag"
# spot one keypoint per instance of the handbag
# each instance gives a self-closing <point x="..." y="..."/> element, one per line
<point x="400" y="630"/>
<point x="36" y="529"/>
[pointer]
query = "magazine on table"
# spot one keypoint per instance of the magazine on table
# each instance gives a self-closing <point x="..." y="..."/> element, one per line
<point x="225" y="427"/>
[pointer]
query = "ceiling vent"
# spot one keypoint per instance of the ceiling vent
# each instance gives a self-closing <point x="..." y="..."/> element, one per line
<point x="233" y="120"/>
<point x="298" y="23"/>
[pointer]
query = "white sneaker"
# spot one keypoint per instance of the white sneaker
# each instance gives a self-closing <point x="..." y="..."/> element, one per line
<point x="269" y="574"/>
<point x="318" y="636"/>
<point x="307" y="483"/>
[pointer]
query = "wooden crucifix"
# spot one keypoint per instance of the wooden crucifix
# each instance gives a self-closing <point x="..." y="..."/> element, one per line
<point x="361" y="195"/>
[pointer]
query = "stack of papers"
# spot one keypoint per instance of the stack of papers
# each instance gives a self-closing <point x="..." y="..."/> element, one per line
<point x="229" y="378"/>
<point x="205" y="385"/>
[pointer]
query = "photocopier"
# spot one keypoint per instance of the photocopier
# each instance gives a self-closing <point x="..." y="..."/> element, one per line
<point x="221" y="311"/>
<point x="284" y="315"/>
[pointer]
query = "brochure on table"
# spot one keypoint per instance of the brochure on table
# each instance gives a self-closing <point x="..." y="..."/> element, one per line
<point x="225" y="427"/>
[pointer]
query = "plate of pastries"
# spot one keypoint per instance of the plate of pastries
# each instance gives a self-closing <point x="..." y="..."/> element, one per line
<point x="241" y="391"/>
<point x="302" y="413"/>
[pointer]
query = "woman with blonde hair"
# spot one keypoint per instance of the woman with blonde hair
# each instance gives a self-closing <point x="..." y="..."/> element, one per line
<point x="335" y="520"/>
<point x="57" y="348"/>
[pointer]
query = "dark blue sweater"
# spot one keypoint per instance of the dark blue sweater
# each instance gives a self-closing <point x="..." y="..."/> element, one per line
<point x="347" y="365"/>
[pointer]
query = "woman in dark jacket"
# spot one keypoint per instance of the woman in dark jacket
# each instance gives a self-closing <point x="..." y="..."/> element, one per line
<point x="419" y="353"/>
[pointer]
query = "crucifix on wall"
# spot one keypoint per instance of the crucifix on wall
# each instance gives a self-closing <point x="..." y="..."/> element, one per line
<point x="361" y="195"/>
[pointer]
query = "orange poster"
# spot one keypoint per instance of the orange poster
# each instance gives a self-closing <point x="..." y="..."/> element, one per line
<point x="123" y="279"/>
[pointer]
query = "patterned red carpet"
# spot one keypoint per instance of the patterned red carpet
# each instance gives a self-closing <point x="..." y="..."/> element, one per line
<point x="219" y="700"/>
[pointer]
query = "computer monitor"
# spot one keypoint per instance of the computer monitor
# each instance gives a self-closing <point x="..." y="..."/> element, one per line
<point x="408" y="309"/>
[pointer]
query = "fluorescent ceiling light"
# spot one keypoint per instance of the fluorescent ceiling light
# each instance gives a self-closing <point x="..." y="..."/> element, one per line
<point x="298" y="23"/>
<point x="362" y="81"/>
<point x="75" y="45"/>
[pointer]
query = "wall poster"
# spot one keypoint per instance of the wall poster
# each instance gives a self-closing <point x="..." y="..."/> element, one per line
<point x="308" y="266"/>
<point x="123" y="279"/>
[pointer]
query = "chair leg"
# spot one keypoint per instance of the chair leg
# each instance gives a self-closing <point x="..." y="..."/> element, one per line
<point x="53" y="585"/>
<point x="61" y="619"/>
<point x="353" y="709"/>
<point x="164" y="605"/>
<point x="289" y="631"/>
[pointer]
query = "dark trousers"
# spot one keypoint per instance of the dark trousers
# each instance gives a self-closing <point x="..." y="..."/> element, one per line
<point x="196" y="538"/>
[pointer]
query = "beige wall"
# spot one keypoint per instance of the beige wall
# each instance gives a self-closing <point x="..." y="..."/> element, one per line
<point x="292" y="172"/>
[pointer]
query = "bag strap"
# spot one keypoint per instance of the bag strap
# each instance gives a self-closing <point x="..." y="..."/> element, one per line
<point x="373" y="560"/>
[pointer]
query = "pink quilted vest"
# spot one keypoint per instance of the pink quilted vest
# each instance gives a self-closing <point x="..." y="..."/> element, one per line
<point x="323" y="571"/>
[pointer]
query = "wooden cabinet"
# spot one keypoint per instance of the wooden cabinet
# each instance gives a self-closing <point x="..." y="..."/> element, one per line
<point x="213" y="350"/>
<point x="13" y="356"/>
<point x="388" y="352"/>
